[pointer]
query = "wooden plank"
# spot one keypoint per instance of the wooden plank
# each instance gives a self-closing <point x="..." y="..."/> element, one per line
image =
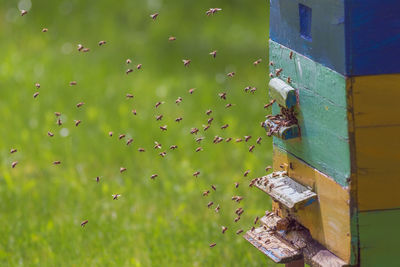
<point x="326" y="43"/>
<point x="378" y="160"/>
<point x="379" y="237"/>
<point x="328" y="220"/>
<point x="322" y="114"/>
<point x="376" y="100"/>
<point x="283" y="93"/>
<point x="286" y="191"/>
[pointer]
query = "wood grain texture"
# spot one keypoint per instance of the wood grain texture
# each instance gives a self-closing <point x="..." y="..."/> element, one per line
<point x="379" y="237"/>
<point x="322" y="113"/>
<point x="327" y="219"/>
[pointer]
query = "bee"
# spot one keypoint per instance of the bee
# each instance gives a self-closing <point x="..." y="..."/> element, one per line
<point x="178" y="119"/>
<point x="186" y="62"/>
<point x="198" y="140"/>
<point x="238" y="232"/>
<point x="128" y="71"/>
<point x="196" y="174"/>
<point x="23" y="12"/>
<point x="208" y="112"/>
<point x="57" y="162"/>
<point x="278" y="71"/>
<point x="246" y="89"/>
<point x="159" y="117"/>
<point x="253" y="90"/>
<point x="163" y="128"/>
<point x="210" y="204"/>
<point x="288" y="80"/>
<point x="85" y="50"/>
<point x="262" y="124"/>
<point x="213" y="53"/>
<point x="141" y="149"/>
<point x="259" y="140"/>
<point x="210" y="120"/>
<point x="230" y="74"/>
<point x="228" y="139"/>
<point x="154" y="16"/>
<point x="237" y="219"/>
<point x="129" y="96"/>
<point x="134" y="111"/>
<point x="14" y="164"/>
<point x="102" y="43"/>
<point x="270" y="103"/>
<point x="121" y="136"/>
<point x="153" y="176"/>
<point x="271" y="63"/>
<point x="256" y="220"/>
<point x="236" y="184"/>
<point x="224" y="126"/>
<point x="246" y="173"/>
<point x="214" y="187"/>
<point x="163" y="154"/>
<point x="50" y="134"/>
<point x="217" y="209"/>
<point x="116" y="196"/>
<point x="13" y="150"/>
<point x="205" y="193"/>
<point x="212" y="11"/>
<point x="73" y="83"/>
<point x="173" y="147"/>
<point x="291" y="55"/>
<point x="268" y="168"/>
<point x="129" y="141"/>
<point x="191" y="90"/>
<point x="80" y="104"/>
<point x="37" y="85"/>
<point x="194" y="131"/>
<point x="35" y="94"/>
<point x="171" y="38"/>
<point x="238" y="140"/>
<point x="128" y="61"/>
<point x="206" y="127"/>
<point x="222" y="95"/>
<point x="247" y="137"/>
<point x="139" y="66"/>
<point x="212" y="245"/>
<point x="84" y="223"/>
<point x="77" y="122"/>
<point x="251" y="148"/>
<point x="157" y="146"/>
<point x="271" y="75"/>
<point x="238" y="199"/>
<point x="97" y="179"/>
<point x="158" y="104"/>
<point x="258" y="61"/>
<point x="199" y="149"/>
<point x="80" y="47"/>
<point x="228" y="105"/>
<point x="110" y="134"/>
<point x="178" y="100"/>
<point x="122" y="169"/>
<point x="224" y="229"/>
<point x="252" y="229"/>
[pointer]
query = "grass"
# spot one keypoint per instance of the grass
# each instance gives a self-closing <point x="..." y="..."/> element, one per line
<point x="161" y="222"/>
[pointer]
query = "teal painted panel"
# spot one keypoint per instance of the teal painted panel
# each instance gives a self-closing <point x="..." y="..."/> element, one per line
<point x="321" y="112"/>
<point x="379" y="238"/>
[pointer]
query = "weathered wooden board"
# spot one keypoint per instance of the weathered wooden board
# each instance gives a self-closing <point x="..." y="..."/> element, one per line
<point x="328" y="220"/>
<point x="322" y="114"/>
<point x="283" y="93"/>
<point x="378" y="159"/>
<point x="379" y="238"/>
<point x="286" y="191"/>
<point x="376" y="100"/>
<point x="325" y="43"/>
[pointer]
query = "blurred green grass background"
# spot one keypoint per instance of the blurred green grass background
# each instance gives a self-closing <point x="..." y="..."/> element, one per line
<point x="162" y="222"/>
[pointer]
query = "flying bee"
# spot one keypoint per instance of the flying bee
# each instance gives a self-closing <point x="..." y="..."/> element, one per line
<point x="80" y="47"/>
<point x="129" y="96"/>
<point x="199" y="149"/>
<point x="258" y="61"/>
<point x="251" y="148"/>
<point x="153" y="176"/>
<point x="214" y="187"/>
<point x="246" y="173"/>
<point x="141" y="149"/>
<point x="209" y="111"/>
<point x="158" y="104"/>
<point x="291" y="55"/>
<point x="212" y="11"/>
<point x="77" y="122"/>
<point x="224" y="229"/>
<point x="256" y="220"/>
<point x="171" y="38"/>
<point x="238" y="140"/>
<point x="122" y="169"/>
<point x="57" y="162"/>
<point x="210" y="204"/>
<point x="159" y="117"/>
<point x="84" y="223"/>
<point x="236" y="184"/>
<point x="154" y="16"/>
<point x="253" y="90"/>
<point x="80" y="104"/>
<point x="139" y="66"/>
<point x="238" y="232"/>
<point x="97" y="179"/>
<point x="37" y="85"/>
<point x="59" y="122"/>
<point x="163" y="128"/>
<point x="178" y="100"/>
<point x="270" y="103"/>
<point x="134" y="111"/>
<point x="237" y="219"/>
<point x="214" y="53"/>
<point x="247" y="137"/>
<point x="128" y="61"/>
<point x="271" y="75"/>
<point x="217" y="209"/>
<point x="288" y="80"/>
<point x="178" y="119"/>
<point x="191" y="90"/>
<point x="259" y="140"/>
<point x="228" y="105"/>
<point x="238" y="199"/>
<point x="14" y="164"/>
<point x="163" y="154"/>
<point x="110" y="134"/>
<point x="252" y="229"/>
<point x="186" y="62"/>
<point x="116" y="196"/>
<point x="129" y="141"/>
<point x="228" y="139"/>
<point x="13" y="150"/>
<point x="247" y="88"/>
<point x="194" y="131"/>
<point x="224" y="126"/>
<point x="212" y="245"/>
<point x="121" y="136"/>
<point x="35" y="94"/>
<point x="102" y="43"/>
<point x="128" y="71"/>
<point x="85" y="50"/>
<point x="73" y="83"/>
<point x="157" y="146"/>
<point x="271" y="63"/>
<point x="50" y="134"/>
<point x="222" y="95"/>
<point x="23" y="12"/>
<point x="210" y="120"/>
<point x="205" y="193"/>
<point x="206" y="127"/>
<point x="173" y="147"/>
<point x="198" y="140"/>
<point x="231" y="74"/>
<point x="262" y="124"/>
<point x="278" y="71"/>
<point x="268" y="168"/>
<point x="196" y="174"/>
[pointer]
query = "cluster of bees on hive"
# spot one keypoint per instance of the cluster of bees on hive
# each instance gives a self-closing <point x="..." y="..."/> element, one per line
<point x="285" y="119"/>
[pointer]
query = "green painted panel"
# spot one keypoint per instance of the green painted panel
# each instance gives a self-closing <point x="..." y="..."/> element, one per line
<point x="379" y="238"/>
<point x="322" y="113"/>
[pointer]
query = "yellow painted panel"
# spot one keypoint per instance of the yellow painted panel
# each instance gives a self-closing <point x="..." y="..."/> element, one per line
<point x="376" y="100"/>
<point x="328" y="219"/>
<point x="378" y="163"/>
